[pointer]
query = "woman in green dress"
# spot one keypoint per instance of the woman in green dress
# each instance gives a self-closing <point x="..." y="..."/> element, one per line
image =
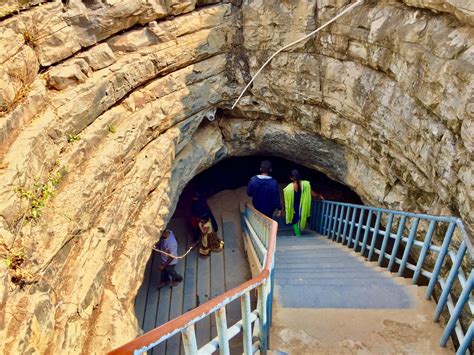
<point x="297" y="196"/>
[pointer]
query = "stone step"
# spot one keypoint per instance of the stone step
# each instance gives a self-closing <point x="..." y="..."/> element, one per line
<point x="366" y="296"/>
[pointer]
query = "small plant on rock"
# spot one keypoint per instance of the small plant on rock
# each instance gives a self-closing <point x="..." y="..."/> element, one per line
<point x="111" y="129"/>
<point x="71" y="138"/>
<point x="39" y="193"/>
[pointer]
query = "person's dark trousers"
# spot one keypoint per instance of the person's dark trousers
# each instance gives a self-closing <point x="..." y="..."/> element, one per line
<point x="169" y="273"/>
<point x="214" y="223"/>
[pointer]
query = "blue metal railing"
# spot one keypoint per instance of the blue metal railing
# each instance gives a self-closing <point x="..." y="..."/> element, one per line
<point x="369" y="230"/>
<point x="261" y="231"/>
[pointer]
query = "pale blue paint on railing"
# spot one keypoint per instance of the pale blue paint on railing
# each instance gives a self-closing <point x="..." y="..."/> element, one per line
<point x="408" y="245"/>
<point x="351" y="230"/>
<point x="359" y="229"/>
<point x="366" y="233"/>
<point x="398" y="238"/>
<point x="346" y="222"/>
<point x="375" y="234"/>
<point x="385" y="238"/>
<point x="450" y="281"/>
<point x="463" y="298"/>
<point x="467" y="340"/>
<point x="332" y="215"/>
<point x="424" y="250"/>
<point x="440" y="260"/>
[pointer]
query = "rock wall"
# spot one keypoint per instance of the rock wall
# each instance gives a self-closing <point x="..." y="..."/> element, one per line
<point x="104" y="118"/>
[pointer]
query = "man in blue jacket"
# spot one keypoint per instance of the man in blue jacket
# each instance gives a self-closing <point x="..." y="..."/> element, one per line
<point x="264" y="191"/>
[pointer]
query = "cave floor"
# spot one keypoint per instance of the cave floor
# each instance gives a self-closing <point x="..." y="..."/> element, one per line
<point x="228" y="268"/>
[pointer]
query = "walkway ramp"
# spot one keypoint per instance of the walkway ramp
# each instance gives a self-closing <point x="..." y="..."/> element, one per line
<point x="329" y="300"/>
<point x="204" y="278"/>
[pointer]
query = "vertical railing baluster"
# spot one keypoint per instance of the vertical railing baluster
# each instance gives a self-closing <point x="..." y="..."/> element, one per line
<point x="463" y="298"/>
<point x="322" y="217"/>
<point x="398" y="238"/>
<point x="189" y="340"/>
<point x="449" y="281"/>
<point x="351" y="229"/>
<point x="246" y="324"/>
<point x="334" y="225"/>
<point x="366" y="232"/>
<point x="346" y="222"/>
<point x="408" y="245"/>
<point x="424" y="251"/>
<point x="314" y="215"/>
<point x="221" y="324"/>
<point x="326" y="217"/>
<point x="468" y="337"/>
<point x="339" y="226"/>
<point x="388" y="230"/>
<point x="375" y="235"/>
<point x="271" y="287"/>
<point x="329" y="221"/>
<point x="440" y="260"/>
<point x="359" y="228"/>
<point x="262" y="314"/>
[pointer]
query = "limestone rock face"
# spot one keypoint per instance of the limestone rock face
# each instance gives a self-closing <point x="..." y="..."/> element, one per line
<point x="392" y="85"/>
<point x="104" y="118"/>
<point x="462" y="9"/>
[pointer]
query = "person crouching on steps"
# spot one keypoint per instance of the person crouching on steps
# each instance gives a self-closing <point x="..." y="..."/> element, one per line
<point x="209" y="240"/>
<point x="168" y="244"/>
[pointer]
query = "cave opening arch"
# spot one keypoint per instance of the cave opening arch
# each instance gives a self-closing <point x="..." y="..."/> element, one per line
<point x="223" y="181"/>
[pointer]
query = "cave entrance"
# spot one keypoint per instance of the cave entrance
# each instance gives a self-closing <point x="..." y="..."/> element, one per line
<point x="224" y="184"/>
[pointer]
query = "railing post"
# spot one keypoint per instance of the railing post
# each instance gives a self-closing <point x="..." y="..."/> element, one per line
<point x="468" y="337"/>
<point x="346" y="222"/>
<point x="314" y="215"/>
<point x="339" y="226"/>
<point x="440" y="260"/>
<point x="359" y="228"/>
<point x="326" y="217"/>
<point x="189" y="340"/>
<point x="221" y="324"/>
<point x="262" y="314"/>
<point x="375" y="235"/>
<point x="388" y="230"/>
<point x="322" y="217"/>
<point x="246" y="325"/>
<point x="349" y="237"/>
<point x="449" y="281"/>
<point x="408" y="246"/>
<point x="329" y="220"/>
<point x="366" y="233"/>
<point x="457" y="310"/>
<point x="424" y="251"/>
<point x="334" y="225"/>
<point x="398" y="238"/>
<point x="270" y="294"/>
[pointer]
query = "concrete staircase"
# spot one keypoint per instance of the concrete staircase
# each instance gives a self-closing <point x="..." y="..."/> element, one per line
<point x="330" y="300"/>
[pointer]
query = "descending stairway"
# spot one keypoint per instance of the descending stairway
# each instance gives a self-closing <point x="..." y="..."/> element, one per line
<point x="330" y="300"/>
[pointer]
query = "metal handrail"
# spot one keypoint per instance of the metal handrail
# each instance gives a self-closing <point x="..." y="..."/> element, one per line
<point x="185" y="323"/>
<point x="353" y="226"/>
